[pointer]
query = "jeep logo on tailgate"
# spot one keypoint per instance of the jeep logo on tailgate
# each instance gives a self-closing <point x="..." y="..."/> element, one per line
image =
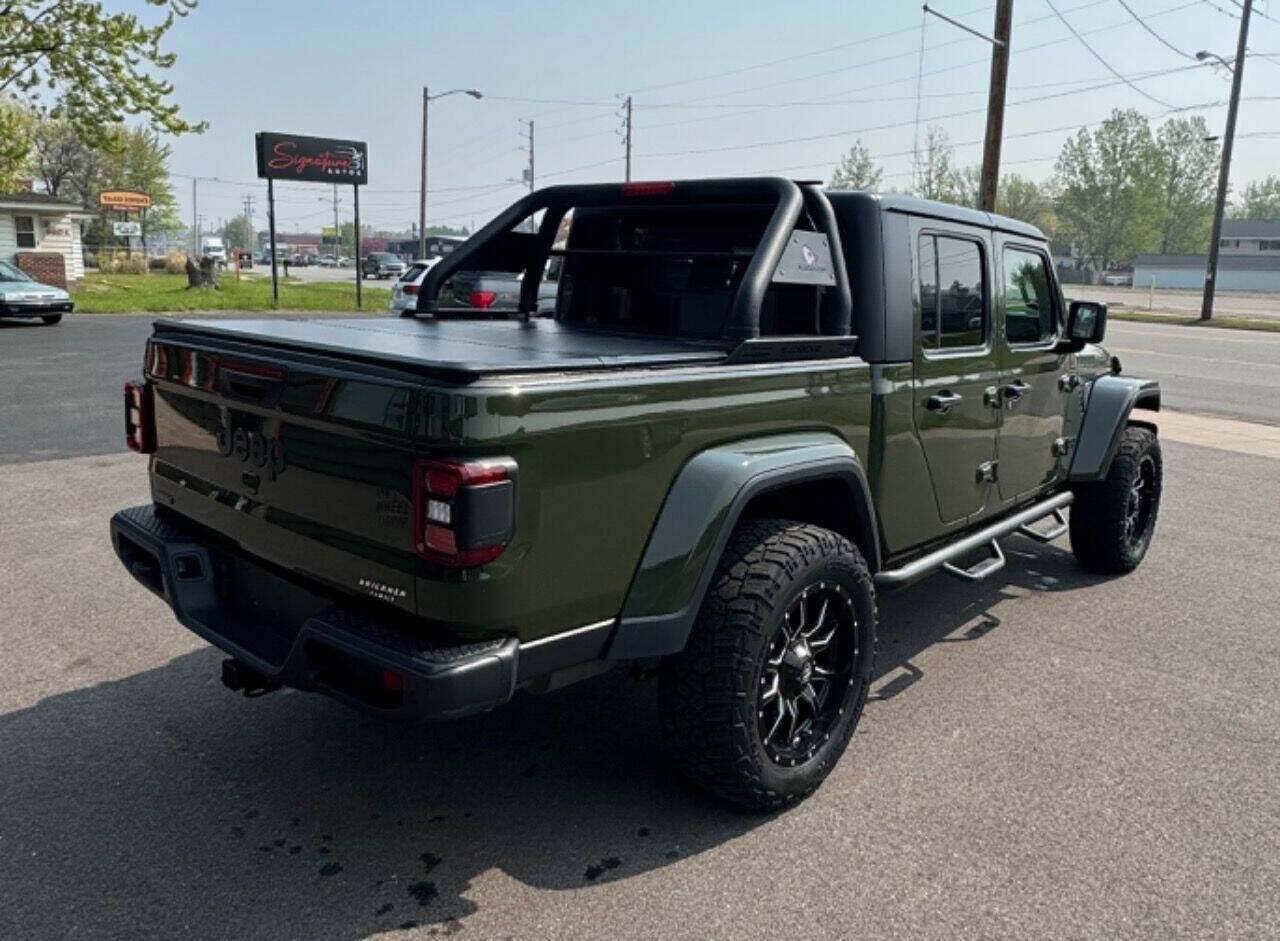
<point x="251" y="447"/>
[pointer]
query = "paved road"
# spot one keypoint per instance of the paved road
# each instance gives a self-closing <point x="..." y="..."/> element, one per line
<point x="1046" y="755"/>
<point x="1225" y="303"/>
<point x="60" y="386"/>
<point x="1204" y="369"/>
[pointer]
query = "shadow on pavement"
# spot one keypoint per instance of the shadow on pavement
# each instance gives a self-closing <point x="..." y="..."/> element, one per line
<point x="160" y="804"/>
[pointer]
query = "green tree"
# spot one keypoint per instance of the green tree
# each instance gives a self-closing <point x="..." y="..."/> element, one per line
<point x="1110" y="206"/>
<point x="1020" y="198"/>
<point x="856" y="171"/>
<point x="63" y="161"/>
<point x="238" y="233"/>
<point x="936" y="175"/>
<point x="98" y="68"/>
<point x="15" y="142"/>
<point x="1260" y="200"/>
<point x="1189" y="177"/>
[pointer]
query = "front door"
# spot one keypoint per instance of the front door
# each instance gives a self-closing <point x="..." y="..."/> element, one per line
<point x="956" y="369"/>
<point x="1035" y="382"/>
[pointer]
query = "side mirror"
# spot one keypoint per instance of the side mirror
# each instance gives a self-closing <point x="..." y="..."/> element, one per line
<point x="1086" y="322"/>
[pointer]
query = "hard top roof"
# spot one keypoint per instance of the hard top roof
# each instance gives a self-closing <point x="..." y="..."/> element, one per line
<point x="933" y="209"/>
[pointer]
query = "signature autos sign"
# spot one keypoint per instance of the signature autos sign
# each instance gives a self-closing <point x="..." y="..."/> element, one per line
<point x="314" y="159"/>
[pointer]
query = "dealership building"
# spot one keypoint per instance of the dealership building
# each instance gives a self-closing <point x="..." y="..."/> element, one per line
<point x="1248" y="260"/>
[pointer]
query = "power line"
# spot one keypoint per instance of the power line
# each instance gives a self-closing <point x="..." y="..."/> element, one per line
<point x="1104" y="62"/>
<point x="847" y="132"/>
<point x="1141" y="22"/>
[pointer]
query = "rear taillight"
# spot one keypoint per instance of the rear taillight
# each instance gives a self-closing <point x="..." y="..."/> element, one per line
<point x="410" y="289"/>
<point x="482" y="299"/>
<point x="464" y="512"/>
<point x="139" y="417"/>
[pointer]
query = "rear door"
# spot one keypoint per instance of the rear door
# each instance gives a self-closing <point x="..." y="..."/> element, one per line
<point x="956" y="368"/>
<point x="1035" y="376"/>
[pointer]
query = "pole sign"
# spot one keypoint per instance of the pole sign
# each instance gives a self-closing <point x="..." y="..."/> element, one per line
<point x="126" y="200"/>
<point x="313" y="159"/>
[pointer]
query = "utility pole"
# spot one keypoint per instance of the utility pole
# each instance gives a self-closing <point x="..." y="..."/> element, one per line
<point x="995" y="106"/>
<point x="422" y="185"/>
<point x="530" y="156"/>
<point x="627" y="107"/>
<point x="195" y="220"/>
<point x="1224" y="171"/>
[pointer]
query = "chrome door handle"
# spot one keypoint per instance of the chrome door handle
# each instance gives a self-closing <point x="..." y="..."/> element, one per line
<point x="1014" y="391"/>
<point x="942" y="401"/>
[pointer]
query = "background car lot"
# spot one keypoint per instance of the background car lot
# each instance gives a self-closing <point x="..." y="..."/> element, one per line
<point x="1046" y="755"/>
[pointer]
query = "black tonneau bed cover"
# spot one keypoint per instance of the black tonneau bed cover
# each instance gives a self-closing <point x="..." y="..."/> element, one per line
<point x="460" y="350"/>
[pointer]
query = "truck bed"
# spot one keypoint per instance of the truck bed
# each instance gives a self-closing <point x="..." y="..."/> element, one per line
<point x="460" y="350"/>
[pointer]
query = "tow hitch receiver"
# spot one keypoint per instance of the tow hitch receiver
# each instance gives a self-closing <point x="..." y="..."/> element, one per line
<point x="240" y="678"/>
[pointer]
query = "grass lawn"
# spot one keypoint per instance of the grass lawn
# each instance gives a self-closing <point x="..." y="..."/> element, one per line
<point x="160" y="293"/>
<point x="1235" y="323"/>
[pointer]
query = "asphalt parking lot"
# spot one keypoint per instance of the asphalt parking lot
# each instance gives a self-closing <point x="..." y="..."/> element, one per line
<point x="1046" y="754"/>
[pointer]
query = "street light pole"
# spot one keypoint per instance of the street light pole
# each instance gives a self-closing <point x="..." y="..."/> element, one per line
<point x="422" y="190"/>
<point x="1224" y="170"/>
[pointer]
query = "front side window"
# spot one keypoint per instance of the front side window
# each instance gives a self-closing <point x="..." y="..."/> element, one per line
<point x="953" y="305"/>
<point x="25" y="227"/>
<point x="1028" y="302"/>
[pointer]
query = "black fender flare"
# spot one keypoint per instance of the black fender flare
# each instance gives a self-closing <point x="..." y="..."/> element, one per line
<point x="702" y="508"/>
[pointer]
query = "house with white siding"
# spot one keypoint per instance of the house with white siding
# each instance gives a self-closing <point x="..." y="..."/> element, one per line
<point x="37" y="229"/>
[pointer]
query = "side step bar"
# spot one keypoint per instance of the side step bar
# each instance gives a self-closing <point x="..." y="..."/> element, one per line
<point x="946" y="556"/>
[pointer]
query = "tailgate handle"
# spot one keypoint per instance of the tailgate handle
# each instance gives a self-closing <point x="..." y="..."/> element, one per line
<point x="259" y="387"/>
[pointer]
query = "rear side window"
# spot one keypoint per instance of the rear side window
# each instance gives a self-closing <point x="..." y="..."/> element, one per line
<point x="953" y="297"/>
<point x="1029" y="316"/>
<point x="413" y="272"/>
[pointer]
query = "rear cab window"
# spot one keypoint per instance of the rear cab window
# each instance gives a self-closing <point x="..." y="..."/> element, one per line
<point x="671" y="270"/>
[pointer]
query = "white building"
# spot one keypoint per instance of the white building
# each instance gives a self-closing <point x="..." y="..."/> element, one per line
<point x="1248" y="260"/>
<point x="35" y="227"/>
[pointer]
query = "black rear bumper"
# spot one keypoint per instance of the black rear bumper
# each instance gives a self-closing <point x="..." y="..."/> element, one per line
<point x="293" y="636"/>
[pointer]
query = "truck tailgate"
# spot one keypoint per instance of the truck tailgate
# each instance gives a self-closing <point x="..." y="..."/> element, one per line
<point x="305" y="462"/>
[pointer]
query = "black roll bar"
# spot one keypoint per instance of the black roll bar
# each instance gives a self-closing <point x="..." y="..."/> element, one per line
<point x="744" y="314"/>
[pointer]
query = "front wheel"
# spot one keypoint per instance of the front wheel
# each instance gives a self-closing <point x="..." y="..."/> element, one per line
<point x="765" y="696"/>
<point x="1112" y="521"/>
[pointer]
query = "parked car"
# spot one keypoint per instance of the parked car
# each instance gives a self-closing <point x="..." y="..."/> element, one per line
<point x="404" y="293"/>
<point x="23" y="296"/>
<point x="707" y="464"/>
<point x="381" y="265"/>
<point x="326" y="261"/>
<point x="1118" y="278"/>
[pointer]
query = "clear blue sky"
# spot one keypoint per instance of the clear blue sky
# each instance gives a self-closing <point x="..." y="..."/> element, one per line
<point x="819" y="75"/>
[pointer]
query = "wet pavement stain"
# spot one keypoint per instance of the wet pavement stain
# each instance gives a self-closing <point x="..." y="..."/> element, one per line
<point x="423" y="892"/>
<point x="643" y="831"/>
<point x="330" y="869"/>
<point x="429" y="861"/>
<point x="383" y="909"/>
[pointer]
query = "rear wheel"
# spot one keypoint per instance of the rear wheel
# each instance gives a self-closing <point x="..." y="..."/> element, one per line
<point x="763" y="700"/>
<point x="1112" y="521"/>
<point x="51" y="319"/>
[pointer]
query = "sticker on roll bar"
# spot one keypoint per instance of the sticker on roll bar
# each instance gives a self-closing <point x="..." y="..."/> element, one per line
<point x="806" y="260"/>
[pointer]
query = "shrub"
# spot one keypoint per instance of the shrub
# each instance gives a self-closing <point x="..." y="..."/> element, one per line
<point x="157" y="264"/>
<point x="176" y="262"/>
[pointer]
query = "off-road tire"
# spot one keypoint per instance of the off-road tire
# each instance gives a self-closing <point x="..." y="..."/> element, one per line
<point x="51" y="319"/>
<point x="709" y="692"/>
<point x="1100" y="535"/>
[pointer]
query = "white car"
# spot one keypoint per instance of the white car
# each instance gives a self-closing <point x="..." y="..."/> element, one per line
<point x="23" y="296"/>
<point x="404" y="293"/>
<point x="1117" y="279"/>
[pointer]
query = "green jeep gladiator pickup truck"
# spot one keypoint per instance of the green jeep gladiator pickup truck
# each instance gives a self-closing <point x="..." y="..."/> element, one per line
<point x="757" y="403"/>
